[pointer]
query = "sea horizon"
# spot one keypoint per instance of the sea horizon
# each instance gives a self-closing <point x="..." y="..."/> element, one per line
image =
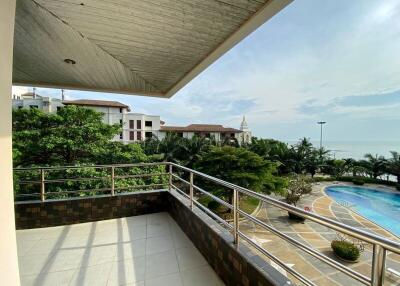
<point x="356" y="149"/>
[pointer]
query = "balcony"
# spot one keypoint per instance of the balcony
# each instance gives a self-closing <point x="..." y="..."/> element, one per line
<point x="139" y="250"/>
<point x="159" y="230"/>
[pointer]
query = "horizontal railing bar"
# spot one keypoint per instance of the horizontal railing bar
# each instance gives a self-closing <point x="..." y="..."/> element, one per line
<point x="27" y="195"/>
<point x="180" y="179"/>
<point x="28" y="182"/>
<point x="76" y="180"/>
<point x="91" y="179"/>
<point x="222" y="202"/>
<point x="357" y="233"/>
<point x="140" y="175"/>
<point x="296" y="274"/>
<point x="354" y="274"/>
<point x="180" y="191"/>
<point x="206" y="210"/>
<point x="213" y="215"/>
<point x="75" y="192"/>
<point x="335" y="225"/>
<point x="91" y="166"/>
<point x="139" y="186"/>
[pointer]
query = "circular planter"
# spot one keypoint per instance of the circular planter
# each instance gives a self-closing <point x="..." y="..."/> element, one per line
<point x="346" y="260"/>
<point x="295" y="217"/>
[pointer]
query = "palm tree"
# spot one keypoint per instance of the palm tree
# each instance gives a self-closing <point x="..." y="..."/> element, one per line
<point x="375" y="165"/>
<point x="170" y="146"/>
<point x="299" y="154"/>
<point x="191" y="149"/>
<point x="393" y="165"/>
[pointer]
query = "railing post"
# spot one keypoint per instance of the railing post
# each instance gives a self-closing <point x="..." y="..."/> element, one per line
<point x="112" y="181"/>
<point x="170" y="177"/>
<point x="235" y="216"/>
<point x="378" y="265"/>
<point x="42" y="186"/>
<point x="191" y="190"/>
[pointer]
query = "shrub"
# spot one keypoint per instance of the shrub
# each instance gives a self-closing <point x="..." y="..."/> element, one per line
<point x="358" y="181"/>
<point x="213" y="205"/>
<point x="345" y="250"/>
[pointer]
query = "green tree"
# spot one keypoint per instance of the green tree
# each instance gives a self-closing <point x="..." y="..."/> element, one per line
<point x="273" y="150"/>
<point x="241" y="167"/>
<point x="393" y="165"/>
<point x="335" y="167"/>
<point x="375" y="165"/>
<point x="73" y="135"/>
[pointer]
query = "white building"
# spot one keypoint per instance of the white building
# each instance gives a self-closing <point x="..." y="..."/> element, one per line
<point x="245" y="135"/>
<point x="135" y="126"/>
<point x="33" y="100"/>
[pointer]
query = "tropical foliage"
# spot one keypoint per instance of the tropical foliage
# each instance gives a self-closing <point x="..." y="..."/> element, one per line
<point x="77" y="136"/>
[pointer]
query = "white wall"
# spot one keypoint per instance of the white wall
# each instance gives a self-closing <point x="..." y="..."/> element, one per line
<point x="43" y="103"/>
<point x="8" y="248"/>
<point x="154" y="129"/>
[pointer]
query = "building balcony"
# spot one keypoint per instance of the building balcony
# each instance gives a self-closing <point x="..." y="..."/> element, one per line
<point x="145" y="224"/>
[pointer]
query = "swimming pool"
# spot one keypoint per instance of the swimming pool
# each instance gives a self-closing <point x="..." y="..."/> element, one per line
<point x="381" y="207"/>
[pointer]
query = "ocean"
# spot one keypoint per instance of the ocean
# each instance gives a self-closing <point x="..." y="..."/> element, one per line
<point x="357" y="149"/>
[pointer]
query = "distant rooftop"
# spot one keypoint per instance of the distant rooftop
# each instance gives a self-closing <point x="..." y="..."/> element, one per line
<point x="200" y="128"/>
<point x="104" y="103"/>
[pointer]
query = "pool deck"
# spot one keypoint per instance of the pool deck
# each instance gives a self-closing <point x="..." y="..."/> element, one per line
<point x="319" y="237"/>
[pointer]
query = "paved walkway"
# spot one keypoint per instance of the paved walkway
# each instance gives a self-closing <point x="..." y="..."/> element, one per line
<point x="318" y="237"/>
<point x="136" y="251"/>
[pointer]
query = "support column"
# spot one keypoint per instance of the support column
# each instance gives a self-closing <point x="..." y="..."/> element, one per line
<point x="8" y="248"/>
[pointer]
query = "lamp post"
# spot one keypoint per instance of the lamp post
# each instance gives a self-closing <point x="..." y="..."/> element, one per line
<point x="320" y="140"/>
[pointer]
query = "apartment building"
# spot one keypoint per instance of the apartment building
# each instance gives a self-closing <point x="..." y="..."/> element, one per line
<point x="135" y="126"/>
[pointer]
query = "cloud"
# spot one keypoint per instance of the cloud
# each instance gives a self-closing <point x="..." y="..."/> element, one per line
<point x="314" y="60"/>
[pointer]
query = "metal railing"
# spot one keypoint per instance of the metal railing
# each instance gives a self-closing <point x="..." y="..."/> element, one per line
<point x="380" y="245"/>
<point x="109" y="180"/>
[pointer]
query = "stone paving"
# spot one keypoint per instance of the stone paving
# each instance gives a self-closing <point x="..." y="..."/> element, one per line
<point x="318" y="237"/>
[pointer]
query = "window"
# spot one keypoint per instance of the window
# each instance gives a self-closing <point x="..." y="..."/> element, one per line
<point x="120" y="110"/>
<point x="131" y="135"/>
<point x="180" y="134"/>
<point x="131" y="124"/>
<point x="33" y="106"/>
<point x="232" y="135"/>
<point x="139" y="124"/>
<point x="139" y="135"/>
<point x="121" y="135"/>
<point x="208" y="135"/>
<point x="148" y="135"/>
<point x="148" y="123"/>
<point x="120" y="121"/>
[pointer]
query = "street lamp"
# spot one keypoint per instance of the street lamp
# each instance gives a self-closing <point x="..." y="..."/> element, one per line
<point x="320" y="140"/>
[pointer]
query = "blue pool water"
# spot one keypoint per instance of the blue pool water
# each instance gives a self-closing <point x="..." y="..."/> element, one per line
<point x="379" y="206"/>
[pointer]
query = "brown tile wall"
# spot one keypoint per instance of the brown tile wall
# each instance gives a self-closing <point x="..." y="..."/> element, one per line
<point x="236" y="265"/>
<point x="62" y="212"/>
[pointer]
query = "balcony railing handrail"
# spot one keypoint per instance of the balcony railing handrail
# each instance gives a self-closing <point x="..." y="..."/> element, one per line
<point x="90" y="166"/>
<point x="380" y="244"/>
<point x="357" y="233"/>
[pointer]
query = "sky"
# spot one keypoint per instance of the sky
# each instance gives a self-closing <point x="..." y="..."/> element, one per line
<point x="336" y="61"/>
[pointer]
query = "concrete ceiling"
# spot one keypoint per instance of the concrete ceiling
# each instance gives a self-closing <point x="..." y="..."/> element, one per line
<point x="151" y="47"/>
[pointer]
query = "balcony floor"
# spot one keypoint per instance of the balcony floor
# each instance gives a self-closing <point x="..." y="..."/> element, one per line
<point x="141" y="250"/>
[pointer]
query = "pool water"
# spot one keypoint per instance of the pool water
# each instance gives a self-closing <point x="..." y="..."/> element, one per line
<point x="381" y="207"/>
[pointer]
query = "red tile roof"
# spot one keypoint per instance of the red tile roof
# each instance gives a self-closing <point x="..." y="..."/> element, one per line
<point x="103" y="103"/>
<point x="200" y="128"/>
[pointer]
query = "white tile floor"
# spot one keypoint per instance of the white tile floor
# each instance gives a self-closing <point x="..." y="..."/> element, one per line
<point x="142" y="250"/>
